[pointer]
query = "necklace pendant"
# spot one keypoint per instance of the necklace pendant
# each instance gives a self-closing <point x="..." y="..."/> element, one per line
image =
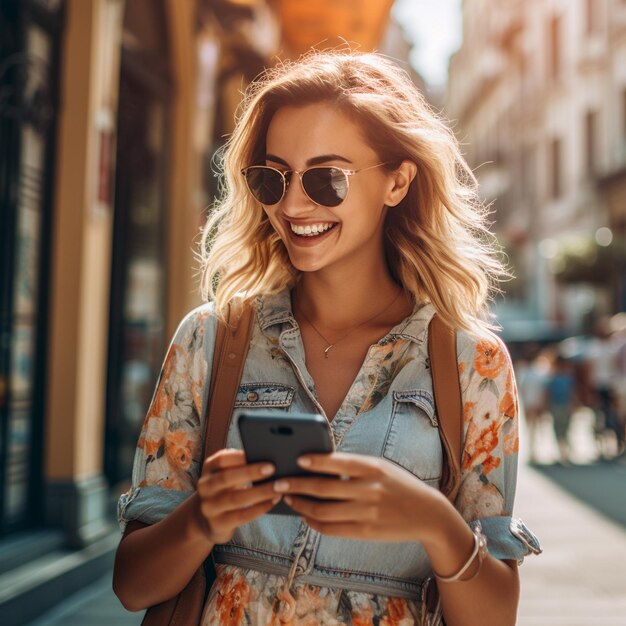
<point x="327" y="350"/>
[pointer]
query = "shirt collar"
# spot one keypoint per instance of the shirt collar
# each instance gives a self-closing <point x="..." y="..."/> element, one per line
<point x="273" y="309"/>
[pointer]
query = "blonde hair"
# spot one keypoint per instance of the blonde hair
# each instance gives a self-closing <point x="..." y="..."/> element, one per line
<point x="437" y="242"/>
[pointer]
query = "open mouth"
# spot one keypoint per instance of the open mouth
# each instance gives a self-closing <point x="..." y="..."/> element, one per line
<point x="312" y="230"/>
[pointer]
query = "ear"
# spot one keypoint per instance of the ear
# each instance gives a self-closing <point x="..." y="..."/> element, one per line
<point x="401" y="179"/>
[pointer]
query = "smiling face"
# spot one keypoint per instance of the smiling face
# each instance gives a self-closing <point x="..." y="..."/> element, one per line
<point x="318" y="237"/>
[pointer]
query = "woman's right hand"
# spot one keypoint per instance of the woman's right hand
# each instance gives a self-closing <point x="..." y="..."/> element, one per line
<point x="227" y="499"/>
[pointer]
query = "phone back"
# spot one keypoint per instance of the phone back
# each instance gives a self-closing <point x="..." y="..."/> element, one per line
<point x="281" y="438"/>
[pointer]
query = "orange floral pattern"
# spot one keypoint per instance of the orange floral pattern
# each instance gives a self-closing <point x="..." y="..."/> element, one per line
<point x="245" y="597"/>
<point x="468" y="411"/>
<point x="479" y="444"/>
<point x="233" y="595"/>
<point x="178" y="447"/>
<point x="169" y="442"/>
<point x="490" y="414"/>
<point x="490" y="359"/>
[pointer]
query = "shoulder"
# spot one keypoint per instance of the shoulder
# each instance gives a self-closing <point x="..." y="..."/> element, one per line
<point x="487" y="354"/>
<point x="197" y="321"/>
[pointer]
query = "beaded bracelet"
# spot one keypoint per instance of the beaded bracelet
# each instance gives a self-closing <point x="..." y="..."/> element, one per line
<point x="480" y="549"/>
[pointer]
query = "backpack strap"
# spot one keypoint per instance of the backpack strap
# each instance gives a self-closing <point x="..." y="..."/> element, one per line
<point x="231" y="347"/>
<point x="447" y="392"/>
<point x="444" y="371"/>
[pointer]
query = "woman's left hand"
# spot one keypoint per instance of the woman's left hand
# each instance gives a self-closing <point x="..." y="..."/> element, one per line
<point x="374" y="499"/>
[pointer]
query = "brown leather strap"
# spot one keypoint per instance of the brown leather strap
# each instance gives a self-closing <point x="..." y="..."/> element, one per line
<point x="231" y="346"/>
<point x="447" y="391"/>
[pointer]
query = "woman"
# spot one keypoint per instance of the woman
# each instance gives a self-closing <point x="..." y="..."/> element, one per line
<point x="349" y="217"/>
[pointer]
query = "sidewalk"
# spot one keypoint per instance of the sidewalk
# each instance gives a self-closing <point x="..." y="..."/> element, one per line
<point x="95" y="605"/>
<point x="580" y="579"/>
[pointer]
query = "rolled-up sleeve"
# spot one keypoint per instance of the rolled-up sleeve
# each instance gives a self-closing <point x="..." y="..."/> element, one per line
<point x="490" y="451"/>
<point x="168" y="458"/>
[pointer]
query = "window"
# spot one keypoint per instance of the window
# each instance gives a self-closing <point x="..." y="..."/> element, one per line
<point x="556" y="165"/>
<point x="554" y="48"/>
<point x="592" y="16"/>
<point x="529" y="174"/>
<point x="590" y="132"/>
<point x="624" y="114"/>
<point x="621" y="142"/>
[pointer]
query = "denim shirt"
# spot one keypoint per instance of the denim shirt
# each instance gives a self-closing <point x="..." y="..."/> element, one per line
<point x="389" y="412"/>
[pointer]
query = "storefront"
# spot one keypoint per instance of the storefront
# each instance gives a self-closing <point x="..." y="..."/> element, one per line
<point x="30" y="38"/>
<point x="139" y="273"/>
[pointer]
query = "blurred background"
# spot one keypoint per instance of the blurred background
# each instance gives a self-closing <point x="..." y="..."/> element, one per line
<point x="110" y="114"/>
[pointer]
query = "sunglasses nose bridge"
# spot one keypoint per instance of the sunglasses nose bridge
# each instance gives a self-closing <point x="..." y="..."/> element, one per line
<point x="289" y="197"/>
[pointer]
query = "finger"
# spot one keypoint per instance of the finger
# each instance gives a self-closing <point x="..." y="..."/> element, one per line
<point x="234" y="519"/>
<point x="354" y="512"/>
<point x="342" y="463"/>
<point x="235" y="478"/>
<point x="331" y="489"/>
<point x="222" y="459"/>
<point x="233" y="500"/>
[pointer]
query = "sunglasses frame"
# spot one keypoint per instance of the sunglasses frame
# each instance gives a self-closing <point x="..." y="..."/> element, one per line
<point x="301" y="173"/>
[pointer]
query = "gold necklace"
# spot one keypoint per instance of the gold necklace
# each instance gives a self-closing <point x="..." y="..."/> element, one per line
<point x="330" y="345"/>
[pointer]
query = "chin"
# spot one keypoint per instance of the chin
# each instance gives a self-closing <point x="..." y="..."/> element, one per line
<point x="310" y="265"/>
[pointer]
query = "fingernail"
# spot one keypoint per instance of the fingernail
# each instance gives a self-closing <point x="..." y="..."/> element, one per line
<point x="281" y="485"/>
<point x="304" y="462"/>
<point x="266" y="470"/>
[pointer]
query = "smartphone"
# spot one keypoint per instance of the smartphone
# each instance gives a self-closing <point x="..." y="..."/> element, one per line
<point x="281" y="438"/>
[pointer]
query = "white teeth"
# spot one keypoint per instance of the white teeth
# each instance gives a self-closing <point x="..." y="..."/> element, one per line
<point x="310" y="230"/>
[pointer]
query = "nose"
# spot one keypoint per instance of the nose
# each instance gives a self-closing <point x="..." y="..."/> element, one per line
<point x="295" y="202"/>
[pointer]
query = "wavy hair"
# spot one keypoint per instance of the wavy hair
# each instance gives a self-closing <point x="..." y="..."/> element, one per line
<point x="437" y="241"/>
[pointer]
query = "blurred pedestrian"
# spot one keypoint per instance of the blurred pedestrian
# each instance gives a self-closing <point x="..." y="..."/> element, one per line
<point x="561" y="396"/>
<point x="532" y="375"/>
<point x="602" y="364"/>
<point x="618" y="326"/>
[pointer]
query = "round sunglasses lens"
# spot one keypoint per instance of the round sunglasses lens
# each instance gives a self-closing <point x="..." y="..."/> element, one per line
<point x="327" y="186"/>
<point x="265" y="184"/>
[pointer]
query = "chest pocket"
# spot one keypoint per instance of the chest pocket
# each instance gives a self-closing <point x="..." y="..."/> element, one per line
<point x="264" y="396"/>
<point x="412" y="440"/>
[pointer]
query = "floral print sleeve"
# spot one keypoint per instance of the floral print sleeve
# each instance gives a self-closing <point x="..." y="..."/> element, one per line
<point x="167" y="460"/>
<point x="489" y="462"/>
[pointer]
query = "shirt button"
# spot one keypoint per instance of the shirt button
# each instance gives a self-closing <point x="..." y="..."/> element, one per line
<point x="253" y="396"/>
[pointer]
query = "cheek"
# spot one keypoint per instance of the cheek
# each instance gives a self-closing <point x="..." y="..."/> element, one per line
<point x="270" y="215"/>
<point x="369" y="206"/>
<point x="276" y="224"/>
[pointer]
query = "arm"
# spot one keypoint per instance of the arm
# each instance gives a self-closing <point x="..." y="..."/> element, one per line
<point x="489" y="598"/>
<point x="138" y="575"/>
<point x="154" y="563"/>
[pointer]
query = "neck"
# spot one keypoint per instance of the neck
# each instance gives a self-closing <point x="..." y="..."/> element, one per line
<point x="338" y="302"/>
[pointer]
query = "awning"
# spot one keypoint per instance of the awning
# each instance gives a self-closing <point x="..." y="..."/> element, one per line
<point x="325" y="23"/>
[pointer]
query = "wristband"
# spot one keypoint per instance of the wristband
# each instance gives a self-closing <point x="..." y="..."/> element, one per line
<point x="480" y="550"/>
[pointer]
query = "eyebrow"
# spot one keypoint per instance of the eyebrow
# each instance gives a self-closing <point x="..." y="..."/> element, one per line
<point x="323" y="158"/>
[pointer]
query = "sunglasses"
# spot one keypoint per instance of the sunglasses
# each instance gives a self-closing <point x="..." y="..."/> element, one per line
<point x="324" y="185"/>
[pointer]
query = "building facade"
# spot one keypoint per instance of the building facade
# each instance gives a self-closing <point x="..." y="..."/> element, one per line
<point x="538" y="95"/>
